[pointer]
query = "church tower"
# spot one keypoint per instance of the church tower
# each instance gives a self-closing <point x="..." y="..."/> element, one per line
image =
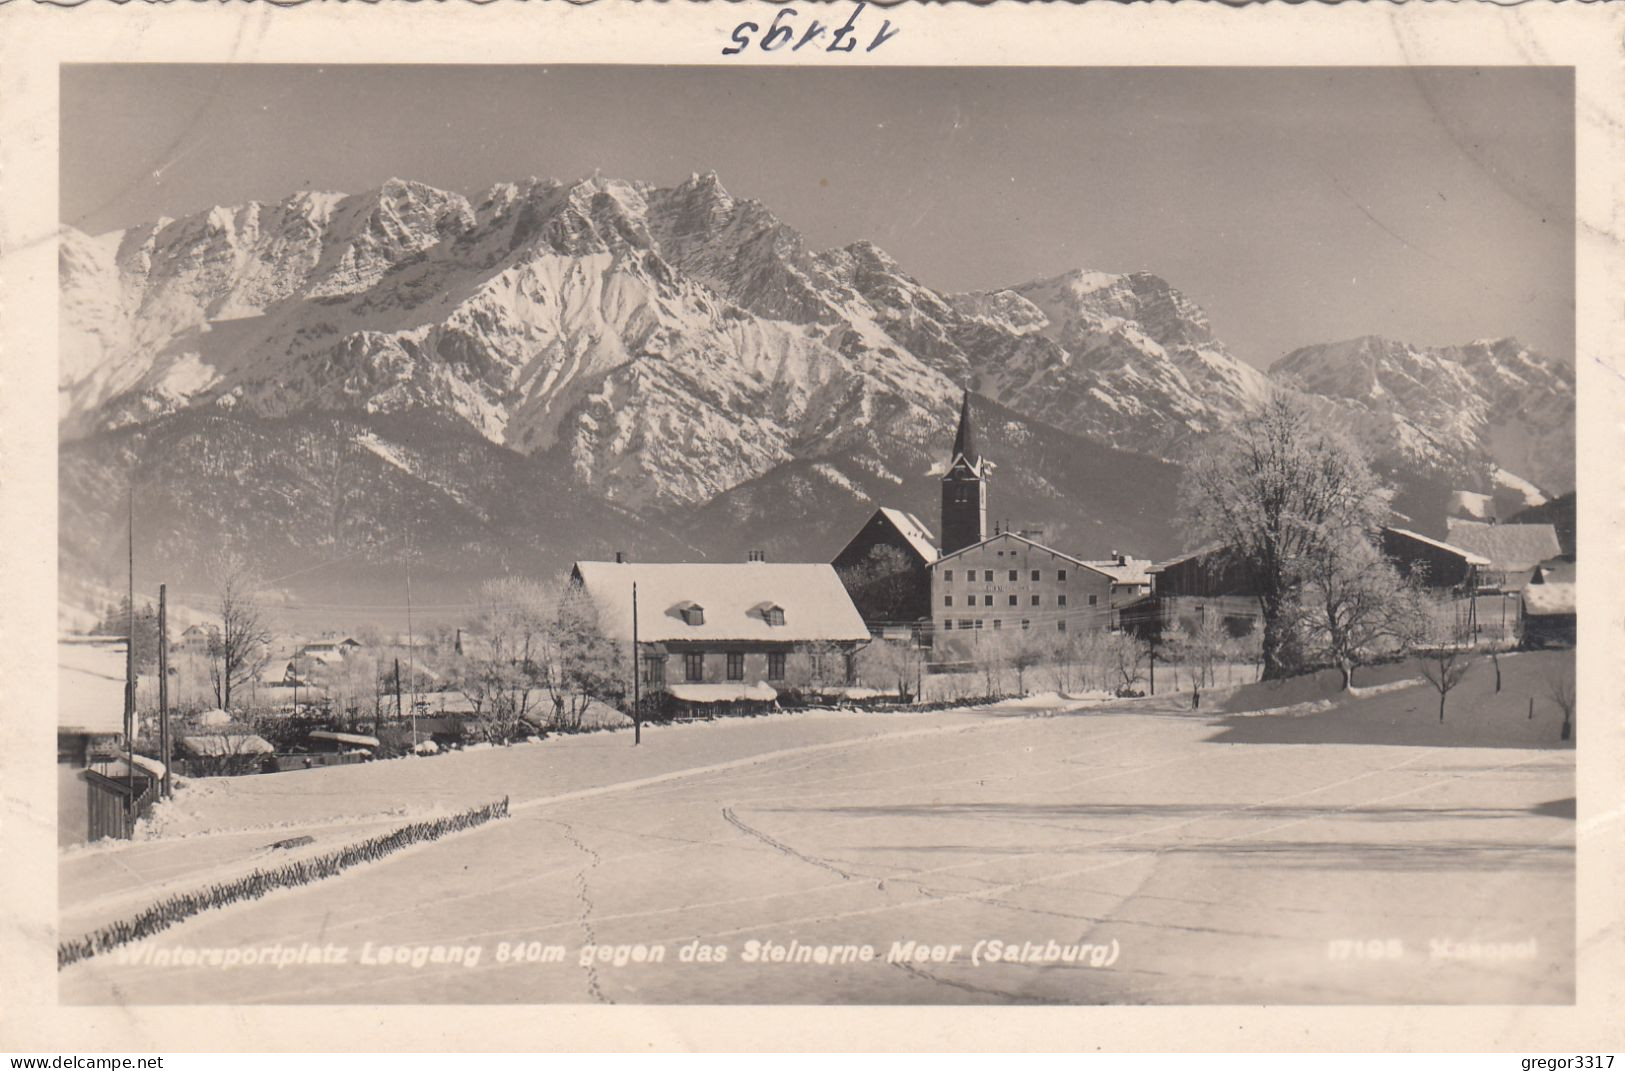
<point x="964" y="488"/>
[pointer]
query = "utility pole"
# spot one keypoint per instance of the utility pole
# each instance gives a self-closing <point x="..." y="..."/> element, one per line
<point x="398" y="689"/>
<point x="163" y="685"/>
<point x="129" y="657"/>
<point x="411" y="647"/>
<point x="637" y="694"/>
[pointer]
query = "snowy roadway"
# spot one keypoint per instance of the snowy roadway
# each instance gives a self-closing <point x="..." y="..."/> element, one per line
<point x="1116" y="854"/>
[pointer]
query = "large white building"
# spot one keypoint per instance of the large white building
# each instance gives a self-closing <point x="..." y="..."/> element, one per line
<point x="1008" y="581"/>
<point x="725" y="632"/>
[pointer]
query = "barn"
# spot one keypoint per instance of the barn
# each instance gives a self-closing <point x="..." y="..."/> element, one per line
<point x="1514" y="551"/>
<point x="886" y="568"/>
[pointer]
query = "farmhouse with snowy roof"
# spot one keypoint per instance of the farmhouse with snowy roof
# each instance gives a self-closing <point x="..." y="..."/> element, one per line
<point x="1514" y="551"/>
<point x="711" y="633"/>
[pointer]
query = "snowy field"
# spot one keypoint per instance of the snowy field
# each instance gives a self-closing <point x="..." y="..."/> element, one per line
<point x="1283" y="845"/>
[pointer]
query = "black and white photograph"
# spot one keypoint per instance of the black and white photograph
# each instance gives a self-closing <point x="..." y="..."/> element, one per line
<point x="920" y="535"/>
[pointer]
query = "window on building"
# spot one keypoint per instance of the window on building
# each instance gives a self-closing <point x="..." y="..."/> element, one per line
<point x="978" y="622"/>
<point x="775" y="665"/>
<point x="987" y="600"/>
<point x="1060" y="600"/>
<point x="1014" y="600"/>
<point x="964" y="622"/>
<point x="947" y="576"/>
<point x="1060" y="574"/>
<point x="736" y="665"/>
<point x="987" y="576"/>
<point x="996" y="623"/>
<point x="1060" y="626"/>
<point x="693" y="615"/>
<point x="1014" y="574"/>
<point x="1035" y="599"/>
<point x="947" y="624"/>
<point x="654" y="671"/>
<point x="775" y="615"/>
<point x="1092" y="599"/>
<point x="694" y="666"/>
<point x="1025" y="623"/>
<point x="947" y="600"/>
<point x="1035" y="576"/>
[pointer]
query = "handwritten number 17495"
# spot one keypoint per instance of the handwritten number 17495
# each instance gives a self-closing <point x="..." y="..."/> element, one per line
<point x="782" y="31"/>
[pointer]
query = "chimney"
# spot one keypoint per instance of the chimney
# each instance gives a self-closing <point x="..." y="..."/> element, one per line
<point x="757" y="556"/>
<point x="620" y="557"/>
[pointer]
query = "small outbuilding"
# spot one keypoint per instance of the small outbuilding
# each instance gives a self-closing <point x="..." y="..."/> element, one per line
<point x="1549" y="615"/>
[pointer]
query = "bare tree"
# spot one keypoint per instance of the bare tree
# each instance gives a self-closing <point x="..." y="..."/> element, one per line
<point x="1200" y="643"/>
<point x="991" y="654"/>
<point x="1025" y="651"/>
<point x="1445" y="657"/>
<point x="587" y="665"/>
<point x="892" y="662"/>
<point x="1561" y="691"/>
<point x="1356" y="605"/>
<point x="1276" y="492"/>
<point x="511" y="665"/>
<point x="1125" y="657"/>
<point x="242" y="646"/>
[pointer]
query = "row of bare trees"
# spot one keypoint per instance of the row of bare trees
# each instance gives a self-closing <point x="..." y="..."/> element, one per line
<point x="542" y="659"/>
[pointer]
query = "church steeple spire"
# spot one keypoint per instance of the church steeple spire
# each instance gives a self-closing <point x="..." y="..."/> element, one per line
<point x="964" y="487"/>
<point x="965" y="438"/>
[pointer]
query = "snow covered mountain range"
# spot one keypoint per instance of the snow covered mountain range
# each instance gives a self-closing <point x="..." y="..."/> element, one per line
<point x="682" y="360"/>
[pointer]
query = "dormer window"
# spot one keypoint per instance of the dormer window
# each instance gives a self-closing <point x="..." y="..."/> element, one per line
<point x="693" y="614"/>
<point x="775" y="615"/>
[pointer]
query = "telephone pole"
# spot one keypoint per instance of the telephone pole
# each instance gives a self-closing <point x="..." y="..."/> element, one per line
<point x="637" y="695"/>
<point x="163" y="685"/>
<point x="129" y="650"/>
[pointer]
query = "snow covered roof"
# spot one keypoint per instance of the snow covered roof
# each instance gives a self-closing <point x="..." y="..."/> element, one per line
<point x="816" y="605"/>
<point x="1200" y="552"/>
<point x="1510" y="547"/>
<point x="353" y="739"/>
<point x="1558" y="571"/>
<point x="1127" y="571"/>
<point x="1542" y="600"/>
<point x="119" y="767"/>
<point x="318" y="647"/>
<point x="90" y="687"/>
<point x="722" y="693"/>
<point x="214" y="744"/>
<point x="914" y="530"/>
<point x="1466" y="555"/>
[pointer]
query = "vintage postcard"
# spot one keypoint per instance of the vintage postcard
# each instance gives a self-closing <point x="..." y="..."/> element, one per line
<point x="847" y="517"/>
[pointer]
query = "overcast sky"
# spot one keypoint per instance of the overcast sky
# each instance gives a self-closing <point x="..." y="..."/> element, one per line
<point x="1295" y="205"/>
